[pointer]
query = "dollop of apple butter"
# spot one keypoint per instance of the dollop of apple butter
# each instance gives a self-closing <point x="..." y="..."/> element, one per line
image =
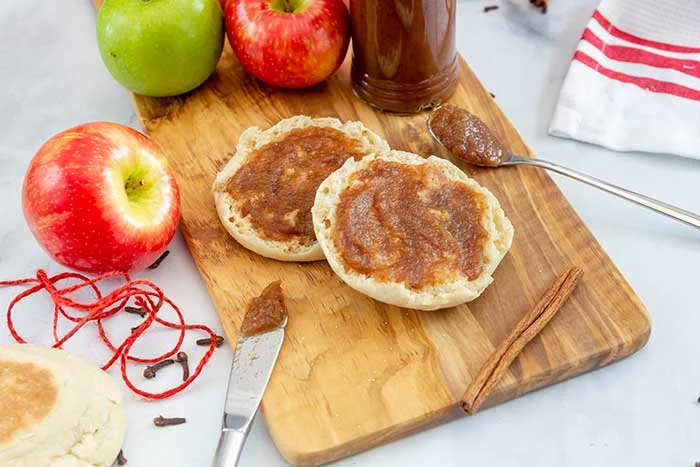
<point x="278" y="183"/>
<point x="466" y="136"/>
<point x="265" y="312"/>
<point x="410" y="224"/>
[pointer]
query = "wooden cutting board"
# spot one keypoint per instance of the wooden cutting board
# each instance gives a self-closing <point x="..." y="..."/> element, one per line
<point x="354" y="373"/>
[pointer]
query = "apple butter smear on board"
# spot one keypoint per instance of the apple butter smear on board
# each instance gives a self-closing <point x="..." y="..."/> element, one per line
<point x="410" y="224"/>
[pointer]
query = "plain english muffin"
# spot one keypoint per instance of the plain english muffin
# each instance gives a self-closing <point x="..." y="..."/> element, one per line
<point x="409" y="231"/>
<point x="265" y="192"/>
<point x="57" y="410"/>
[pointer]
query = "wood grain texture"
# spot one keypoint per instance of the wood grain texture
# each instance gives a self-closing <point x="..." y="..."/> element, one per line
<point x="354" y="373"/>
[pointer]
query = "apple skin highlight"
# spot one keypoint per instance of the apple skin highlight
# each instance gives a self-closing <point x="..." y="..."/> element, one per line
<point x="101" y="197"/>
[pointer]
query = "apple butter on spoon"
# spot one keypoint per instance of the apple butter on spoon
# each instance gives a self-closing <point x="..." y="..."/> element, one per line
<point x="468" y="138"/>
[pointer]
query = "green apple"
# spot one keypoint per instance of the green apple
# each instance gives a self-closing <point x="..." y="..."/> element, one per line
<point x="160" y="47"/>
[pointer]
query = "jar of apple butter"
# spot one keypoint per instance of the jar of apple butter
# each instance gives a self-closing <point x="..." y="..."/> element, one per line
<point x="404" y="55"/>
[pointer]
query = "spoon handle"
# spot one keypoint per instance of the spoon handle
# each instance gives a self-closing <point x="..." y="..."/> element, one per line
<point x="655" y="205"/>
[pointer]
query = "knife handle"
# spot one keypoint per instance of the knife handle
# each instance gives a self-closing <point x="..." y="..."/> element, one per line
<point x="229" y="449"/>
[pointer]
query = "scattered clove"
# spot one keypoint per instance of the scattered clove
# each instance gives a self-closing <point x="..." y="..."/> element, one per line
<point x="492" y="95"/>
<point x="134" y="310"/>
<point x="181" y="358"/>
<point x="541" y="4"/>
<point x="162" y="421"/>
<point x="159" y="260"/>
<point x="490" y="8"/>
<point x="121" y="460"/>
<point x="207" y="341"/>
<point x="150" y="371"/>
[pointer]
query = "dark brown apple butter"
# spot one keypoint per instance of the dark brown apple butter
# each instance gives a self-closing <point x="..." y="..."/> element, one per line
<point x="404" y="55"/>
<point x="278" y="184"/>
<point x="410" y="224"/>
<point x="466" y="136"/>
<point x="265" y="312"/>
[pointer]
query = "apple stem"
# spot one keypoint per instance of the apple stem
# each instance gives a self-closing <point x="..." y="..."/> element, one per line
<point x="288" y="8"/>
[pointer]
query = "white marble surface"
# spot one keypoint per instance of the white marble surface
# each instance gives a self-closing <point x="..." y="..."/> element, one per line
<point x="642" y="411"/>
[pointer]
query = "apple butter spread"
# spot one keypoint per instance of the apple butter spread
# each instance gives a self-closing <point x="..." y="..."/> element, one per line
<point x="265" y="312"/>
<point x="410" y="224"/>
<point x="28" y="394"/>
<point x="277" y="184"/>
<point x="466" y="136"/>
<point x="404" y="55"/>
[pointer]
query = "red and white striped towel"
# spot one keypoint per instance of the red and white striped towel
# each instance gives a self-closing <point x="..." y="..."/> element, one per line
<point x="634" y="82"/>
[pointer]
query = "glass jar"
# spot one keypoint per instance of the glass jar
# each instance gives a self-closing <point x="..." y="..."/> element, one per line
<point x="404" y="55"/>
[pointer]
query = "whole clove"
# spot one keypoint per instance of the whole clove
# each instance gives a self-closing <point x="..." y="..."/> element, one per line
<point x="133" y="330"/>
<point x="150" y="371"/>
<point x="121" y="460"/>
<point x="490" y="8"/>
<point x="181" y="358"/>
<point x="159" y="260"/>
<point x="162" y="421"/>
<point x="134" y="310"/>
<point x="207" y="341"/>
<point x="541" y="4"/>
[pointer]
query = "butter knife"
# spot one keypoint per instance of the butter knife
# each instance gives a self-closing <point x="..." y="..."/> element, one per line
<point x="253" y="361"/>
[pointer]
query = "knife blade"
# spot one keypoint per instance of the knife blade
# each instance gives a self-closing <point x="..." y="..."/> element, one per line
<point x="253" y="361"/>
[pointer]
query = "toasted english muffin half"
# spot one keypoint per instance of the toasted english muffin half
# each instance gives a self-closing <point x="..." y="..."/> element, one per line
<point x="264" y="194"/>
<point x="57" y="410"/>
<point x="408" y="231"/>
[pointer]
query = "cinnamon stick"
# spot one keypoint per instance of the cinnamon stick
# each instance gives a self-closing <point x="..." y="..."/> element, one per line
<point x="527" y="328"/>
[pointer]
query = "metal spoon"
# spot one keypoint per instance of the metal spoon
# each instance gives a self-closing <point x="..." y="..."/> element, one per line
<point x="650" y="203"/>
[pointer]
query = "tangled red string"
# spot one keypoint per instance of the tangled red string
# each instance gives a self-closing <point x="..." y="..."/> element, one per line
<point x="145" y="294"/>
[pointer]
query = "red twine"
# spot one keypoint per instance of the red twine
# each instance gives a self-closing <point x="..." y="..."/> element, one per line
<point x="145" y="294"/>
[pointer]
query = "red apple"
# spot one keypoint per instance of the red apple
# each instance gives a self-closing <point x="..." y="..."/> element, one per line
<point x="101" y="197"/>
<point x="289" y="43"/>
